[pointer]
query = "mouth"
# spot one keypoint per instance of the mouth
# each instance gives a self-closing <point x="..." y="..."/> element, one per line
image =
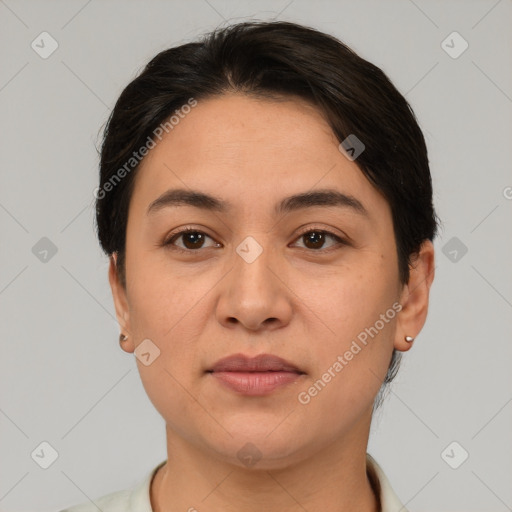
<point x="254" y="376"/>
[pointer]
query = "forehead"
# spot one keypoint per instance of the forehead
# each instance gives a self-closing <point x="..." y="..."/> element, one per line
<point x="236" y="129"/>
<point x="236" y="146"/>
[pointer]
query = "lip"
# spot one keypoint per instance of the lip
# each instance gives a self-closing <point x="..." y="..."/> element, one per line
<point x="255" y="376"/>
<point x="259" y="363"/>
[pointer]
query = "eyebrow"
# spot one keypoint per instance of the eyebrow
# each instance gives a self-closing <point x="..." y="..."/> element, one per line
<point x="313" y="199"/>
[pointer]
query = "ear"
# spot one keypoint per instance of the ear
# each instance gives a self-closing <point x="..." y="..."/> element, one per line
<point x="415" y="296"/>
<point x="121" y="304"/>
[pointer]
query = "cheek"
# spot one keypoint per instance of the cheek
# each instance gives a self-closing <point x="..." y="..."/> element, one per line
<point x="167" y="309"/>
<point x="350" y="300"/>
<point x="162" y="299"/>
<point x="357" y="324"/>
<point x="171" y="310"/>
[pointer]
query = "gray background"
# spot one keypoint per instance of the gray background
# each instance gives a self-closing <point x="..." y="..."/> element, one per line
<point x="64" y="379"/>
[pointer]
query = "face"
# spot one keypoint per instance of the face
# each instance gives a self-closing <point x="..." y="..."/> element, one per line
<point x="312" y="280"/>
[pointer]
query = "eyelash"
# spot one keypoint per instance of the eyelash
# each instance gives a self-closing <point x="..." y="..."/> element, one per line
<point x="174" y="236"/>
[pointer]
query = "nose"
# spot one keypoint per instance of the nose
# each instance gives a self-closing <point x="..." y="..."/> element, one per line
<point x="255" y="295"/>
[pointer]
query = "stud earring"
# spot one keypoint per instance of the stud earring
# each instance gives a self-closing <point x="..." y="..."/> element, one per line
<point x="122" y="338"/>
<point x="409" y="339"/>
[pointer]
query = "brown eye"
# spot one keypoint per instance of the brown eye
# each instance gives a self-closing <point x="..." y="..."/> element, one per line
<point x="316" y="238"/>
<point x="192" y="239"/>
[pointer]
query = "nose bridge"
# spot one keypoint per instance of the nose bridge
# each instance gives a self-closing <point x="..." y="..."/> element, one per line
<point x="251" y="265"/>
<point x="253" y="293"/>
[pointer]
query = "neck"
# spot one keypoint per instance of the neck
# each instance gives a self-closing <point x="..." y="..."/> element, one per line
<point x="334" y="479"/>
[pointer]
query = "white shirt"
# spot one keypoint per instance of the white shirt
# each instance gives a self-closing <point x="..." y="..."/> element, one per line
<point x="138" y="498"/>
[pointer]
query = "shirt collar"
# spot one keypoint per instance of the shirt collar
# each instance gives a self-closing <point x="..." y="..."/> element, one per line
<point x="389" y="501"/>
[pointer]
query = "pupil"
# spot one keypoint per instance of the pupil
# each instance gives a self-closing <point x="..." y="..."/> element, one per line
<point x="195" y="237"/>
<point x="316" y="235"/>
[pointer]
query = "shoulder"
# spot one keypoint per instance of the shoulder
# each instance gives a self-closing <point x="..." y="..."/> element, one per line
<point x="135" y="499"/>
<point x="390" y="502"/>
<point x="113" y="502"/>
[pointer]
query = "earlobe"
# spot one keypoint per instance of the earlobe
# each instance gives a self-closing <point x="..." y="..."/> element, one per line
<point x="121" y="305"/>
<point x="415" y="297"/>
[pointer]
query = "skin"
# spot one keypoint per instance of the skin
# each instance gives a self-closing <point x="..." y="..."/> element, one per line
<point x="302" y="302"/>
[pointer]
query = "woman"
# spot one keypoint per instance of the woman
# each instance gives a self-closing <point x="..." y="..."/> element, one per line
<point x="266" y="202"/>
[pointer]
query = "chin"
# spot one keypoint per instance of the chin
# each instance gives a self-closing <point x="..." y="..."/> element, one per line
<point x="261" y="447"/>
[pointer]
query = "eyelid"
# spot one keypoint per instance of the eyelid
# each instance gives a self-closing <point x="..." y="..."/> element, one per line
<point x="183" y="231"/>
<point x="341" y="239"/>
<point x="327" y="231"/>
